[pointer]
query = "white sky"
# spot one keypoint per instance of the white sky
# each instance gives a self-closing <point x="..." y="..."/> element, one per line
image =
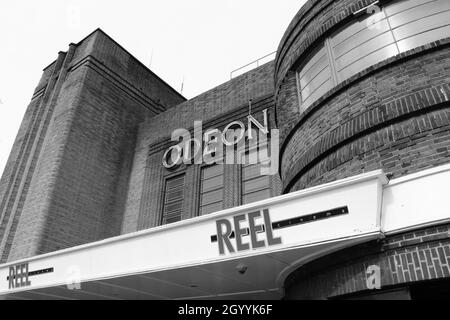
<point x="201" y="41"/>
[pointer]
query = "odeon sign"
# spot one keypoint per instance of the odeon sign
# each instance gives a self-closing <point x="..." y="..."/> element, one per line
<point x="215" y="146"/>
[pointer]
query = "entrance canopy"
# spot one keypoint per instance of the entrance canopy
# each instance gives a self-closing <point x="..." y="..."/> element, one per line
<point x="240" y="253"/>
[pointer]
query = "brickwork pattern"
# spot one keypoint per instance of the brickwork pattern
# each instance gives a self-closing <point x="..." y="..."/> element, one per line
<point x="313" y="21"/>
<point x="399" y="149"/>
<point x="220" y="101"/>
<point x="349" y="118"/>
<point x="144" y="207"/>
<point x="25" y="154"/>
<point x="69" y="171"/>
<point x="288" y="105"/>
<point x="403" y="259"/>
<point x="129" y="71"/>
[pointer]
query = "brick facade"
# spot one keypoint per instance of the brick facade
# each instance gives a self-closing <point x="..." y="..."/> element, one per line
<point x="403" y="259"/>
<point x="311" y="24"/>
<point x="394" y="115"/>
<point x="215" y="108"/>
<point x="67" y="175"/>
<point x="87" y="161"/>
<point x="372" y="121"/>
<point x="383" y="114"/>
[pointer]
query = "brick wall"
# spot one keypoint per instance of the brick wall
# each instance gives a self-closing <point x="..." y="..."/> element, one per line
<point x="84" y="165"/>
<point x="21" y="164"/>
<point x="393" y="116"/>
<point x="403" y="260"/>
<point x="365" y="122"/>
<point x="216" y="108"/>
<point x="315" y="19"/>
<point x="68" y="174"/>
<point x="213" y="103"/>
<point x="121" y="65"/>
<point x="144" y="203"/>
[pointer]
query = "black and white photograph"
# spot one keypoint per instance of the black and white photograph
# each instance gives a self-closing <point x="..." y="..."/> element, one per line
<point x="228" y="157"/>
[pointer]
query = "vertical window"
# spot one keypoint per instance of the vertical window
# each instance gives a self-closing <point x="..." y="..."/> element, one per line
<point x="173" y="200"/>
<point x="211" y="189"/>
<point x="315" y="78"/>
<point x="255" y="187"/>
<point x="362" y="44"/>
<point x="395" y="28"/>
<point x="415" y="23"/>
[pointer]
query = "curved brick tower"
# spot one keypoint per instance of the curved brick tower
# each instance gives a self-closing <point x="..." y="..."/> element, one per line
<point x="364" y="85"/>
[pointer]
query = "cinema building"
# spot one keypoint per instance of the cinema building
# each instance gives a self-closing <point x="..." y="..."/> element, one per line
<point x="358" y="96"/>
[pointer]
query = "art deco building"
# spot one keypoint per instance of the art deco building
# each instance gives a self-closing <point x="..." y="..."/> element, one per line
<point x="359" y="91"/>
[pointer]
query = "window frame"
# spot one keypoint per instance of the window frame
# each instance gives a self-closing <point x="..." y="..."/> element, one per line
<point x="164" y="194"/>
<point x="269" y="187"/>
<point x="337" y="76"/>
<point x="200" y="189"/>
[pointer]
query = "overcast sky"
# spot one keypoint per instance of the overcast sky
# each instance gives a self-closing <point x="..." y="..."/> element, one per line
<point x="201" y="41"/>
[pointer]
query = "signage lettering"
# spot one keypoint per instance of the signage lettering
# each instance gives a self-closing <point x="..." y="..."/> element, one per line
<point x="18" y="276"/>
<point x="227" y="147"/>
<point x="225" y="232"/>
<point x="234" y="237"/>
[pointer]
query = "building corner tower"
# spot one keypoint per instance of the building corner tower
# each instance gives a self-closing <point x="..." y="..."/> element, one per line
<point x="66" y="179"/>
<point x="364" y="85"/>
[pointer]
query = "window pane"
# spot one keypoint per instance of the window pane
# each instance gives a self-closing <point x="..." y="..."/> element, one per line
<point x="211" y="189"/>
<point x="314" y="71"/>
<point x="256" y="196"/>
<point x="422" y="25"/>
<point x="370" y="44"/>
<point x="256" y="184"/>
<point x="174" y="194"/>
<point x="360" y="38"/>
<point x="257" y="156"/>
<point x="400" y="26"/>
<point x="173" y="200"/>
<point x="320" y="91"/>
<point x="318" y="81"/>
<point x="173" y="216"/>
<point x="418" y="12"/>
<point x="315" y="74"/>
<point x="357" y="27"/>
<point x="404" y="5"/>
<point x="212" y="171"/>
<point x="175" y="182"/>
<point x="316" y="59"/>
<point x="252" y="171"/>
<point x="171" y="207"/>
<point x="212" y="197"/>
<point x="172" y="219"/>
<point x="369" y="60"/>
<point x="364" y="50"/>
<point x="212" y="183"/>
<point x="423" y="38"/>
<point x="211" y="208"/>
<point x="253" y="182"/>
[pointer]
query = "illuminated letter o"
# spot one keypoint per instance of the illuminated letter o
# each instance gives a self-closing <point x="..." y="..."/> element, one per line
<point x="169" y="152"/>
<point x="224" y="134"/>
